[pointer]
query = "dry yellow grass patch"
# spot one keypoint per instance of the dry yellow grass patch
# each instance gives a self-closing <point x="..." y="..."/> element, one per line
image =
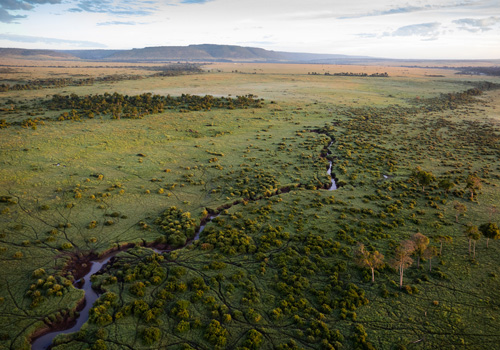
<point x="278" y="68"/>
<point x="44" y="69"/>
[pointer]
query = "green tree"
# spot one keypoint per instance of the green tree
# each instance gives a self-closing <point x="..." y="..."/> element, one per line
<point x="372" y="260"/>
<point x="473" y="235"/>
<point x="446" y="185"/>
<point x="420" y="243"/>
<point x="402" y="258"/>
<point x="151" y="335"/>
<point x="99" y="345"/>
<point x="424" y="178"/>
<point x="216" y="334"/>
<point x="254" y="339"/>
<point x="490" y="230"/>
<point x="473" y="184"/>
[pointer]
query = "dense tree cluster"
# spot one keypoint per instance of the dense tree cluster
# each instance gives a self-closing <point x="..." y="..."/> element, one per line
<point x="492" y="71"/>
<point x="164" y="71"/>
<point x="117" y="106"/>
<point x="46" y="286"/>
<point x="62" y="82"/>
<point x="454" y="100"/>
<point x="351" y="74"/>
<point x="124" y="106"/>
<point x="177" y="226"/>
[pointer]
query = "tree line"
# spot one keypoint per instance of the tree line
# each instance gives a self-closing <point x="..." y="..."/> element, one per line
<point x="38" y="84"/>
<point x="164" y="71"/>
<point x="418" y="246"/>
<point x="351" y="74"/>
<point x="75" y="107"/>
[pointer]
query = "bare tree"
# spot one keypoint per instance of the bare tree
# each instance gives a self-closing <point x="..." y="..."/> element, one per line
<point x="473" y="235"/>
<point x="442" y="239"/>
<point x="372" y="260"/>
<point x="429" y="253"/>
<point x="492" y="210"/>
<point x="460" y="209"/>
<point x="402" y="258"/>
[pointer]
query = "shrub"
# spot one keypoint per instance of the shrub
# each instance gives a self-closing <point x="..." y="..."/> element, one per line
<point x="216" y="334"/>
<point x="151" y="335"/>
<point x="38" y="272"/>
<point x="66" y="246"/>
<point x="99" y="345"/>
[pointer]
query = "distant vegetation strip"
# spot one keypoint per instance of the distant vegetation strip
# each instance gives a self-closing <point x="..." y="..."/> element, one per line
<point x="351" y="74"/>
<point x="62" y="82"/>
<point x="117" y="106"/>
<point x="37" y="84"/>
<point x="470" y="70"/>
<point x="453" y="100"/>
<point x="492" y="71"/>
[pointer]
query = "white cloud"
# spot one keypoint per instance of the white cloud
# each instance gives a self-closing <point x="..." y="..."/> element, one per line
<point x="475" y="25"/>
<point x="7" y="6"/>
<point x="118" y="23"/>
<point x="50" y="41"/>
<point x="422" y="29"/>
<point x="119" y="8"/>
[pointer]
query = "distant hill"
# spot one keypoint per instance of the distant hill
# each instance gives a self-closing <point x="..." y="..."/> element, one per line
<point x="200" y="53"/>
<point x="203" y="52"/>
<point x="34" y="54"/>
<point x="226" y="53"/>
<point x="91" y="54"/>
<point x="206" y="52"/>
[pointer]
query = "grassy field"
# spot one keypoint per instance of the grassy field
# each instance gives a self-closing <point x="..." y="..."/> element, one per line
<point x="277" y="269"/>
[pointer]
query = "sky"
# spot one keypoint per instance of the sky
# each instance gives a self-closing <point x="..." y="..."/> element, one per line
<point x="420" y="29"/>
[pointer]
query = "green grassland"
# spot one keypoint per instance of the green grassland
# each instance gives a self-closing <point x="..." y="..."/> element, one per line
<point x="276" y="269"/>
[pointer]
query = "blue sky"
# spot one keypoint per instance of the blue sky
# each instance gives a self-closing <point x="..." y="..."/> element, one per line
<point x="460" y="29"/>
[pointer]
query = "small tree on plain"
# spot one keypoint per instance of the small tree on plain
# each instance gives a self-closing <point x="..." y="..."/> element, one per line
<point x="424" y="178"/>
<point x="492" y="210"/>
<point x="473" y="235"/>
<point x="446" y="185"/>
<point x="429" y="253"/>
<point x="402" y="258"/>
<point x="442" y="239"/>
<point x="372" y="260"/>
<point x="460" y="209"/>
<point x="490" y="230"/>
<point x="473" y="184"/>
<point x="420" y="244"/>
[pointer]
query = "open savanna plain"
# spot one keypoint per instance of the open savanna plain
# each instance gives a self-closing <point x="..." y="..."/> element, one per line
<point x="137" y="162"/>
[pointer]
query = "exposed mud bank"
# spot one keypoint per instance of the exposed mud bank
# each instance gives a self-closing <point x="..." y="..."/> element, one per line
<point x="67" y="322"/>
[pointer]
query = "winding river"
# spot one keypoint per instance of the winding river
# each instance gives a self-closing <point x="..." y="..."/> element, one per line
<point x="45" y="341"/>
<point x="329" y="171"/>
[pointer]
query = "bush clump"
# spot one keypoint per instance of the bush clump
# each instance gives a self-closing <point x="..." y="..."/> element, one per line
<point x="177" y="225"/>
